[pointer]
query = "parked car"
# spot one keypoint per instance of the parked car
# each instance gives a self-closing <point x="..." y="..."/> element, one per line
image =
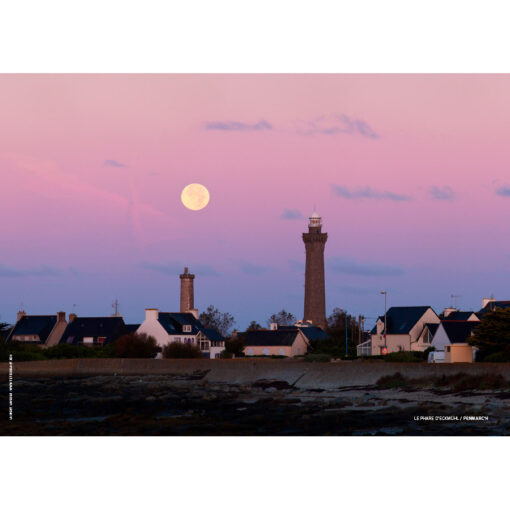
<point x="436" y="357"/>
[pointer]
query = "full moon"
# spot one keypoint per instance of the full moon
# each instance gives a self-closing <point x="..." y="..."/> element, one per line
<point x="195" y="196"/>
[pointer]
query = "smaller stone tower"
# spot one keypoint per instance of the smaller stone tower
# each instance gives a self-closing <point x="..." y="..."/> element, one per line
<point x="187" y="292"/>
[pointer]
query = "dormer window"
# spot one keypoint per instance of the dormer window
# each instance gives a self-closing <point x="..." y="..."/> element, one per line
<point x="186" y="328"/>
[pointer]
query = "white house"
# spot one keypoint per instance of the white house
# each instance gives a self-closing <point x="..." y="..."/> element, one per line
<point x="408" y="329"/>
<point x="168" y="327"/>
<point x="451" y="338"/>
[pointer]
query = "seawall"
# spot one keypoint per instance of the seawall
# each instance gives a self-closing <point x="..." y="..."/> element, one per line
<point x="246" y="371"/>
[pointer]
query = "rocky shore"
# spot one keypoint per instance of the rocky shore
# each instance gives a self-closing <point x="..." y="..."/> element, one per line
<point x="190" y="404"/>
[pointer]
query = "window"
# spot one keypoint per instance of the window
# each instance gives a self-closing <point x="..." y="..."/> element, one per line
<point x="204" y="345"/>
<point x="186" y="328"/>
<point x="265" y="352"/>
<point x="250" y="352"/>
<point x="89" y="340"/>
<point x="282" y="352"/>
<point x="101" y="340"/>
<point x="177" y="339"/>
<point x="447" y="348"/>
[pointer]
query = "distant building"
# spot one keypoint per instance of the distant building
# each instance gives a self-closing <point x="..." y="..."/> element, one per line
<point x="93" y="331"/>
<point x="284" y="341"/>
<point x="451" y="337"/>
<point x="315" y="289"/>
<point x="408" y="329"/>
<point x="43" y="330"/>
<point x="491" y="304"/>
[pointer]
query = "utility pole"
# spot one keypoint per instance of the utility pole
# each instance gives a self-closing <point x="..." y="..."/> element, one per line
<point x="385" y="317"/>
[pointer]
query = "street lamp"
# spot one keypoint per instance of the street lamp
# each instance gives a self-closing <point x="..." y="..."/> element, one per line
<point x="385" y="318"/>
<point x="345" y="323"/>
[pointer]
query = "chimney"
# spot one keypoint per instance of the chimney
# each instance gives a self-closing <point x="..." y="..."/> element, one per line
<point x="194" y="311"/>
<point x="187" y="292"/>
<point x="486" y="301"/>
<point x="61" y="316"/>
<point x="448" y="311"/>
<point x="21" y="314"/>
<point x="151" y="314"/>
<point x="380" y="326"/>
<point x="72" y="316"/>
<point x="274" y="326"/>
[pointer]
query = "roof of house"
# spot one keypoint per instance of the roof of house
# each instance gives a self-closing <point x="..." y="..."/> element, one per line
<point x="492" y="305"/>
<point x="109" y="327"/>
<point x="432" y="327"/>
<point x="174" y="322"/>
<point x="311" y="332"/>
<point x="401" y="319"/>
<point x="265" y="338"/>
<point x="458" y="331"/>
<point x="212" y="334"/>
<point x="131" y="328"/>
<point x="459" y="316"/>
<point x="40" y="325"/>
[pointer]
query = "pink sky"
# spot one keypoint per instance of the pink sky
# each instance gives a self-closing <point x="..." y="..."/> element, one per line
<point x="409" y="172"/>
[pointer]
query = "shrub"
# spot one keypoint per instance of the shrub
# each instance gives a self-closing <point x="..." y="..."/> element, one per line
<point x="135" y="345"/>
<point x="234" y="346"/>
<point x="69" y="351"/>
<point x="405" y="356"/>
<point x="456" y="382"/>
<point x="320" y="357"/>
<point x="176" y="350"/>
<point x="22" y="352"/>
<point x="396" y="380"/>
<point x="496" y="357"/>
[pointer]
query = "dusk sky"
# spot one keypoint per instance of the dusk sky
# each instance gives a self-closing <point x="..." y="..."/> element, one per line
<point x="410" y="174"/>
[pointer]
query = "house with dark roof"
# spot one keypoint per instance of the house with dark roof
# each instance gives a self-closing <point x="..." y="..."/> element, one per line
<point x="491" y="304"/>
<point x="183" y="327"/>
<point x="405" y="330"/>
<point x="452" y="338"/>
<point x="312" y="333"/>
<point x="280" y="341"/>
<point x="93" y="331"/>
<point x="458" y="315"/>
<point x="43" y="330"/>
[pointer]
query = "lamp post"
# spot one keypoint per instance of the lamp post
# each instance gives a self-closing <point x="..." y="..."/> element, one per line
<point x="345" y="324"/>
<point x="346" y="344"/>
<point x="385" y="318"/>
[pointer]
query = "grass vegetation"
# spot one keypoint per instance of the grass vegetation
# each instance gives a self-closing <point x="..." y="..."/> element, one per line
<point x="33" y="352"/>
<point x="455" y="382"/>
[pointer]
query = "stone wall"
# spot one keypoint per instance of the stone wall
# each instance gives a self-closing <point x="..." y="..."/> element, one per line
<point x="246" y="371"/>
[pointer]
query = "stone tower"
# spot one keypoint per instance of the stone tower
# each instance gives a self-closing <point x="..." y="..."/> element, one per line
<point x="187" y="292"/>
<point x="315" y="292"/>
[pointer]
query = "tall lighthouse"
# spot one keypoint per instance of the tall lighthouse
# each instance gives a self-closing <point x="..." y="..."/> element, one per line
<point x="315" y="291"/>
